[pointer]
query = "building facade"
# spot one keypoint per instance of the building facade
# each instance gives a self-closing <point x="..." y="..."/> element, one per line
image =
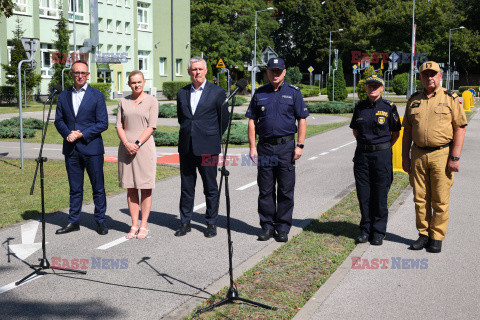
<point x="116" y="36"/>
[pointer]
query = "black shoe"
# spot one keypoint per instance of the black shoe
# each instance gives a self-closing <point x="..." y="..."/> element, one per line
<point x="211" y="231"/>
<point x="420" y="243"/>
<point x="68" y="228"/>
<point x="266" y="235"/>
<point x="102" y="229"/>
<point x="435" y="246"/>
<point x="281" y="236"/>
<point x="377" y="241"/>
<point x="363" y="238"/>
<point x="184" y="228"/>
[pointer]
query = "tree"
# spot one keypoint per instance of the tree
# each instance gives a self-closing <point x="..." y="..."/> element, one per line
<point x="225" y="29"/>
<point x="293" y="75"/>
<point x="340" y="85"/>
<point x="62" y="45"/>
<point x="16" y="55"/>
<point x="6" y="8"/>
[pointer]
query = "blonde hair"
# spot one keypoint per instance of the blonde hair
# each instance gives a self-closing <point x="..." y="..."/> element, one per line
<point x="135" y="73"/>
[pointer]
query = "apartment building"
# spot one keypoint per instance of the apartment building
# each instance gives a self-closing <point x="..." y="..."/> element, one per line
<point x="117" y="36"/>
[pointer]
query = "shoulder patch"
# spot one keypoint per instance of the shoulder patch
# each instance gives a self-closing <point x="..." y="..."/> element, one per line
<point x="294" y="87"/>
<point x="451" y="93"/>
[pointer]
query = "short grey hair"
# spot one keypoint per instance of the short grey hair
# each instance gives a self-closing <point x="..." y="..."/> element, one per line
<point x="196" y="59"/>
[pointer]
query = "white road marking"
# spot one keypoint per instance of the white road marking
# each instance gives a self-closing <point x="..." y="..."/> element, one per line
<point x="50" y="149"/>
<point x="251" y="184"/>
<point x="335" y="149"/>
<point x="12" y="285"/>
<point x="312" y="158"/>
<point x="113" y="243"/>
<point x="27" y="247"/>
<point x="200" y="206"/>
<point x="323" y="153"/>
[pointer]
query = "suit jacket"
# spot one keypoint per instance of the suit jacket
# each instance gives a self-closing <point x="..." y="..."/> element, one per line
<point x="205" y="128"/>
<point x="91" y="120"/>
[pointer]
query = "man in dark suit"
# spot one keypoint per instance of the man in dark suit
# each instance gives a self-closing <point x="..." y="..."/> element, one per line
<point x="81" y="116"/>
<point x="203" y="118"/>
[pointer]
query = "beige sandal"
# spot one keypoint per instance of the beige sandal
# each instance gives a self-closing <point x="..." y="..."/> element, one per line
<point x="133" y="233"/>
<point x="143" y="233"/>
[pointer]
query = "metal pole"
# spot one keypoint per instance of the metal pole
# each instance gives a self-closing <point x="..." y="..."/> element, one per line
<point x="448" y="71"/>
<point x="25" y="86"/>
<point x="453" y="77"/>
<point x="354" y="77"/>
<point x="20" y="108"/>
<point x="329" y="55"/>
<point x="74" y="28"/>
<point x="254" y="61"/>
<point x="413" y="50"/>
<point x="333" y="89"/>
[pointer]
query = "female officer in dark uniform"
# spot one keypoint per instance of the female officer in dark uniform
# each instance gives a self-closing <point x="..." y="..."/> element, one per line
<point x="376" y="127"/>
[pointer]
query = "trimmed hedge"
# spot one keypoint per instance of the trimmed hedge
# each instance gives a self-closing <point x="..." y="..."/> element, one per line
<point x="167" y="110"/>
<point x="7" y="94"/>
<point x="308" y="91"/>
<point x="464" y="88"/>
<point x="10" y="128"/>
<point x="239" y="116"/>
<point x="239" y="100"/>
<point x="170" y="88"/>
<point x="331" y="107"/>
<point x="165" y="138"/>
<point x="104" y="88"/>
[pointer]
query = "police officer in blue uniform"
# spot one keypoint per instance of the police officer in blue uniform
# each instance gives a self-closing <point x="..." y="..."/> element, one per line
<point x="376" y="127"/>
<point x="274" y="112"/>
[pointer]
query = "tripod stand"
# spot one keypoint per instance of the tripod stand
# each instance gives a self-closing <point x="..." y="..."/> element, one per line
<point x="232" y="294"/>
<point x="44" y="263"/>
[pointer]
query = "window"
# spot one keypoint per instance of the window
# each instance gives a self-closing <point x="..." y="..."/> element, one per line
<point x="142" y="12"/>
<point x="48" y="8"/>
<point x="161" y="66"/>
<point x="77" y="7"/>
<point x="119" y="26"/>
<point x="109" y="25"/>
<point x="109" y="48"/>
<point x="20" y="6"/>
<point x="127" y="27"/>
<point x="143" y="62"/>
<point x="100" y="24"/>
<point x="104" y="76"/>
<point x="46" y="56"/>
<point x="127" y="49"/>
<point x="119" y="3"/>
<point x="109" y="1"/>
<point x="178" y="67"/>
<point x="119" y="49"/>
<point x="127" y="3"/>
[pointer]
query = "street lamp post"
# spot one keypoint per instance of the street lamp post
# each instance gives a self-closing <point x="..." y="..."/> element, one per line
<point x="449" y="73"/>
<point x="330" y="51"/>
<point x="254" y="61"/>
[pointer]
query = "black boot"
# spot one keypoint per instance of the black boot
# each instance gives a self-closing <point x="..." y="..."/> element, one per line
<point x="435" y="246"/>
<point x="420" y="243"/>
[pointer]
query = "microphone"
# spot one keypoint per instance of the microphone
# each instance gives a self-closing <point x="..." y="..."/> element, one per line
<point x="56" y="89"/>
<point x="241" y="85"/>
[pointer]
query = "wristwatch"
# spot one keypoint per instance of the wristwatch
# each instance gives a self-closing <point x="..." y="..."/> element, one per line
<point x="300" y="145"/>
<point x="454" y="158"/>
<point x="138" y="143"/>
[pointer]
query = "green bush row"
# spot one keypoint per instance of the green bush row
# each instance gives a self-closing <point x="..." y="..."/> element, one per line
<point x="104" y="88"/>
<point x="167" y="110"/>
<point x="330" y="107"/>
<point x="11" y="132"/>
<point x="10" y="128"/>
<point x="308" y="91"/>
<point x="7" y="94"/>
<point x="170" y="88"/>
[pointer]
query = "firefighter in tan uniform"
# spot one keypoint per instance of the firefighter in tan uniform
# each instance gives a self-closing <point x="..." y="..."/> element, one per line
<point x="435" y="122"/>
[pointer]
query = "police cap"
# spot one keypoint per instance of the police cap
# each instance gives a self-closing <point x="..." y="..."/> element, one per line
<point x="430" y="65"/>
<point x="276" y="63"/>
<point x="375" y="78"/>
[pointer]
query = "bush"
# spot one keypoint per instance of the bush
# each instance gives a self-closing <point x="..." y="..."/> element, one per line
<point x="115" y="111"/>
<point x="239" y="100"/>
<point x="239" y="116"/>
<point x="340" y="84"/>
<point x="28" y="123"/>
<point x="238" y="133"/>
<point x="167" y="110"/>
<point x="249" y="87"/>
<point x="362" y="90"/>
<point x="12" y="132"/>
<point x="104" y="88"/>
<point x="222" y="81"/>
<point x="331" y="107"/>
<point x="7" y="94"/>
<point x="323" y="91"/>
<point x="293" y="75"/>
<point x="400" y="83"/>
<point x="165" y="138"/>
<point x="308" y="91"/>
<point x="464" y="88"/>
<point x="170" y="88"/>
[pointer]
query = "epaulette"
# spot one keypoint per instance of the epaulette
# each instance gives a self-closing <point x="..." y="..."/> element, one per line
<point x="294" y="87"/>
<point x="389" y="102"/>
<point x="452" y="94"/>
<point x="414" y="94"/>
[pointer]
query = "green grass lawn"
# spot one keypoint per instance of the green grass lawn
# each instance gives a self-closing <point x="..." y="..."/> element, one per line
<point x="15" y="183"/>
<point x="31" y="107"/>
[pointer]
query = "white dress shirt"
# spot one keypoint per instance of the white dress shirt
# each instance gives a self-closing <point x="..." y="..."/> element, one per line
<point x="77" y="97"/>
<point x="195" y="95"/>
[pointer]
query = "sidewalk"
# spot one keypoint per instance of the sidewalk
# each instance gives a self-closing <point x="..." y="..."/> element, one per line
<point x="414" y="283"/>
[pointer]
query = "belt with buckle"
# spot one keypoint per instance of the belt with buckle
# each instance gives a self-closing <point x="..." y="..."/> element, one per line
<point x="374" y="147"/>
<point x="434" y="148"/>
<point x="279" y="140"/>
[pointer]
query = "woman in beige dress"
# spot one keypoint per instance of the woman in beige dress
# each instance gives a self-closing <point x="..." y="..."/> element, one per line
<point x="137" y="160"/>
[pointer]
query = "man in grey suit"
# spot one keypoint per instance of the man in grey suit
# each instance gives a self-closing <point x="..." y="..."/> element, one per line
<point x="203" y="118"/>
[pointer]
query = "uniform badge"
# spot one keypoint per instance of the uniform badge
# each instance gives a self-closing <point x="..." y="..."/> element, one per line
<point x="381" y="120"/>
<point x="395" y="116"/>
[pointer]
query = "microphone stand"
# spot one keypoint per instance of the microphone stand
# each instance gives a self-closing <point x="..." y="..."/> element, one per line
<point x="44" y="263"/>
<point x="232" y="294"/>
